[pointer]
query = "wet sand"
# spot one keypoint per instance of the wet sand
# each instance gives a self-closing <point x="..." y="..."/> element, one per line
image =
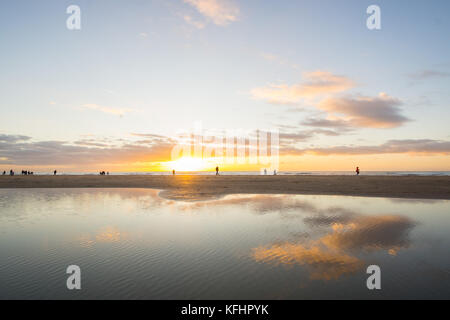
<point x="186" y="187"/>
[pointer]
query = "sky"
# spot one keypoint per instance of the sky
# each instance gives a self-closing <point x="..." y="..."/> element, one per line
<point x="117" y="93"/>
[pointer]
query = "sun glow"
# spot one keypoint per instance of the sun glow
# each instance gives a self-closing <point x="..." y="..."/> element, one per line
<point x="188" y="164"/>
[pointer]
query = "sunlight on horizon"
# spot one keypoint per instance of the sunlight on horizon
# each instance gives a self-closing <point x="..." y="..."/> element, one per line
<point x="189" y="164"/>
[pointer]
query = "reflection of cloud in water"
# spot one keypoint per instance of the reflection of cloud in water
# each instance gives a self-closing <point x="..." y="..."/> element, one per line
<point x="262" y="204"/>
<point x="329" y="257"/>
<point x="187" y="197"/>
<point x="322" y="263"/>
<point x="414" y="201"/>
<point x="383" y="232"/>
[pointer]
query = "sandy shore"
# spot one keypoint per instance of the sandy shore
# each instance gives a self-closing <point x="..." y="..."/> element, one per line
<point x="198" y="187"/>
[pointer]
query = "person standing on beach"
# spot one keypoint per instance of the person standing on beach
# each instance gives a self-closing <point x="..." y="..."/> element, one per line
<point x="217" y="170"/>
<point x="357" y="171"/>
<point x="173" y="172"/>
<point x="54" y="173"/>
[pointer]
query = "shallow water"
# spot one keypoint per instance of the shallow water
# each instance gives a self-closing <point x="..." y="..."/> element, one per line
<point x="134" y="244"/>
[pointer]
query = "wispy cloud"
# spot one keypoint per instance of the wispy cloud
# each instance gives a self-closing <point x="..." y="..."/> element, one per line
<point x="277" y="59"/>
<point x="220" y="12"/>
<point x="105" y="109"/>
<point x="337" y="124"/>
<point x="429" y="74"/>
<point x="411" y="146"/>
<point x="198" y="24"/>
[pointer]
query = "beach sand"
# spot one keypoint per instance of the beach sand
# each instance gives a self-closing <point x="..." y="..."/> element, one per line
<point x="188" y="187"/>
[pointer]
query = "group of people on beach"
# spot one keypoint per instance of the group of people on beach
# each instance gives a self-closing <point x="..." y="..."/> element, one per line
<point x="11" y="172"/>
<point x="24" y="173"/>
<point x="265" y="171"/>
<point x="274" y="172"/>
<point x="102" y="173"/>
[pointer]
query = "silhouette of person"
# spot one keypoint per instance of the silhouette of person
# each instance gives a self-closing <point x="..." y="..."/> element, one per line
<point x="357" y="171"/>
<point x="275" y="172"/>
<point x="54" y="173"/>
<point x="217" y="171"/>
<point x="173" y="172"/>
<point x="265" y="172"/>
<point x="4" y="173"/>
<point x="11" y="172"/>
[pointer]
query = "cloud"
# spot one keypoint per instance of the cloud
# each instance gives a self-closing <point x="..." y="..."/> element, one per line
<point x="290" y="138"/>
<point x="275" y="58"/>
<point x="429" y="74"/>
<point x="342" y="112"/>
<point x="105" y="109"/>
<point x="148" y="135"/>
<point x="373" y="112"/>
<point x="338" y="124"/>
<point x="13" y="138"/>
<point x="417" y="146"/>
<point x="220" y="12"/>
<point x="198" y="24"/>
<point x="19" y="150"/>
<point x="317" y="83"/>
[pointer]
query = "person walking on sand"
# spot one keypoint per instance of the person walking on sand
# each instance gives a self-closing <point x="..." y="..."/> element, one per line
<point x="217" y="170"/>
<point x="357" y="171"/>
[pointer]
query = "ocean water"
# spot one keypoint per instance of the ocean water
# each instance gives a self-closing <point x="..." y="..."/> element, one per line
<point x="137" y="244"/>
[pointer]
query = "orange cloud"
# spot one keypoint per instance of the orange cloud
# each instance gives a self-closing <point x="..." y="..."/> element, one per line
<point x="328" y="257"/>
<point x="317" y="83"/>
<point x="323" y="264"/>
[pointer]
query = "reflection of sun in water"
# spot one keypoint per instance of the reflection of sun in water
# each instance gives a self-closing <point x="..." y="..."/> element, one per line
<point x="188" y="164"/>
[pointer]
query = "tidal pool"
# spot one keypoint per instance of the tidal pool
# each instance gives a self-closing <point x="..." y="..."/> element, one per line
<point x="136" y="244"/>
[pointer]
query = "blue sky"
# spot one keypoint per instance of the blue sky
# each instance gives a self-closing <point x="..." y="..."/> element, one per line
<point x="155" y="67"/>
